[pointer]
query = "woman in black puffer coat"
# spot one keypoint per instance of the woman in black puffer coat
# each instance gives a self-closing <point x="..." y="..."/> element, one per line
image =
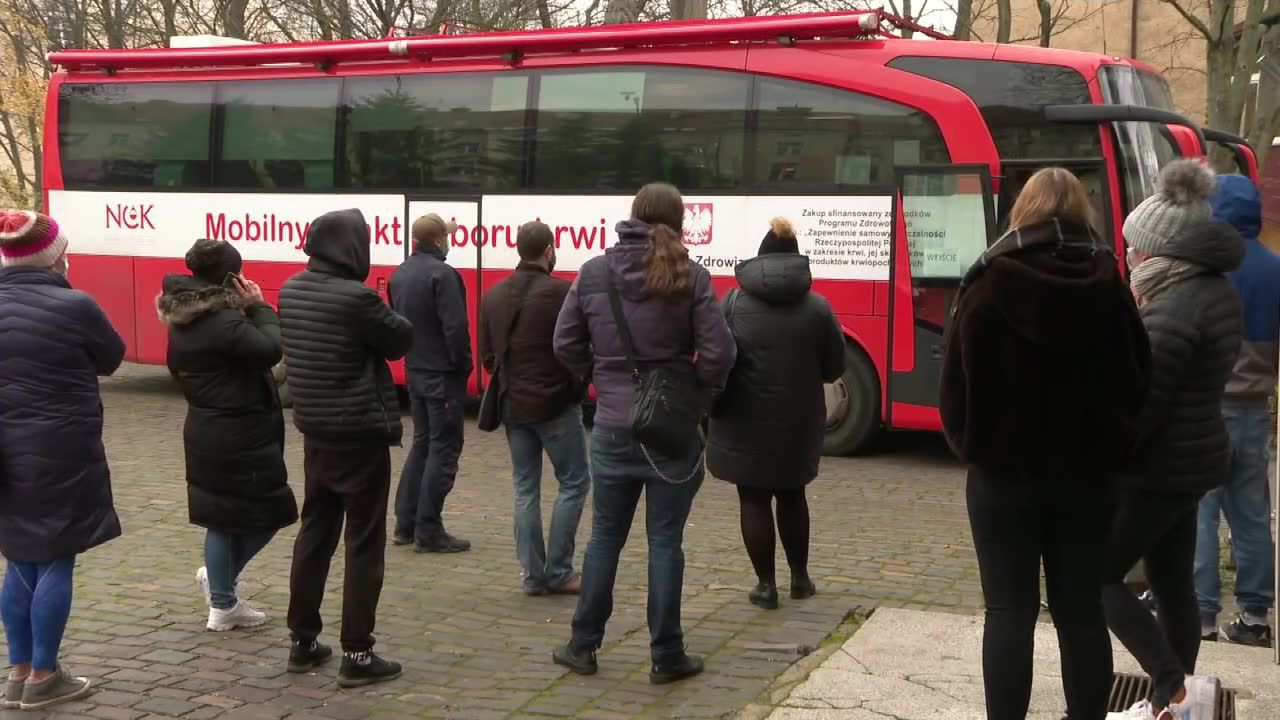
<point x="223" y="342"/>
<point x="1194" y="318"/>
<point x="766" y="436"/>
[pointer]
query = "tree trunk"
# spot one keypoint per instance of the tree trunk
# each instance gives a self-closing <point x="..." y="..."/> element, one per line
<point x="233" y="19"/>
<point x="907" y="13"/>
<point x="1046" y="22"/>
<point x="688" y="9"/>
<point x="964" y="20"/>
<point x="544" y="14"/>
<point x="622" y="11"/>
<point x="1004" y="21"/>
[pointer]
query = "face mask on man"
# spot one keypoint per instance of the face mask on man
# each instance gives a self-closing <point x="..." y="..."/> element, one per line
<point x="443" y="247"/>
<point x="551" y="258"/>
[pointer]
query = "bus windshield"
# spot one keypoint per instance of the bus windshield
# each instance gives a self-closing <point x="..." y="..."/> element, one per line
<point x="1142" y="148"/>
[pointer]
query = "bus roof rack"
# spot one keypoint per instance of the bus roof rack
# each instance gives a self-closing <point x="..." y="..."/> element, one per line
<point x="508" y="44"/>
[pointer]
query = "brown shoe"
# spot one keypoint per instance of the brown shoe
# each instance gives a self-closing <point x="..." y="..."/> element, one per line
<point x="572" y="586"/>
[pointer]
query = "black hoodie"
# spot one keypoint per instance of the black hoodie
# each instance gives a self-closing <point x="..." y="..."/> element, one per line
<point x="768" y="426"/>
<point x="338" y="336"/>
<point x="1047" y="361"/>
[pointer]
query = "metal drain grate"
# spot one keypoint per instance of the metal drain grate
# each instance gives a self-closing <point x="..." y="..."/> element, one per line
<point x="1126" y="690"/>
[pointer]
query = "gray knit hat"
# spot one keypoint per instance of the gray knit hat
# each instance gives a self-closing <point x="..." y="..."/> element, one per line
<point x="1182" y="200"/>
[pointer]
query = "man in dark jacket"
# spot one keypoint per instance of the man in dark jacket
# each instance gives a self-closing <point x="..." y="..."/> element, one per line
<point x="338" y="336"/>
<point x="430" y="293"/>
<point x="1244" y="499"/>
<point x="55" y="486"/>
<point x="542" y="409"/>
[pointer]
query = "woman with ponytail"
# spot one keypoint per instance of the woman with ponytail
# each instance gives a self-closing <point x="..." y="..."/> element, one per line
<point x="675" y="324"/>
<point x="766" y="433"/>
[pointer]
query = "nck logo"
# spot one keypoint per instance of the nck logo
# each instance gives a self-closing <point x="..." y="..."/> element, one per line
<point x="130" y="217"/>
<point x="697" y="223"/>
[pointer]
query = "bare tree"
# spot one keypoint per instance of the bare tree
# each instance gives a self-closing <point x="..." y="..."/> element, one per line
<point x="964" y="20"/>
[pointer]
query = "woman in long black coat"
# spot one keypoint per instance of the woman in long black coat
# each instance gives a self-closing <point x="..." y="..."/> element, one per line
<point x="766" y="434"/>
<point x="224" y="339"/>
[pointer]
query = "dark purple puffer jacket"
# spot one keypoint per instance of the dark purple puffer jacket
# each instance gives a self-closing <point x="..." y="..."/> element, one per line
<point x="689" y="331"/>
<point x="55" y="488"/>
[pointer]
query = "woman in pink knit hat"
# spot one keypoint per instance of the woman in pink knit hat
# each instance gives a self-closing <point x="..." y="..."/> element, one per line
<point x="55" y="488"/>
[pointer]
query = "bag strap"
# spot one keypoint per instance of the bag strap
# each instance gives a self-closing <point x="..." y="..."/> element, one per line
<point x="731" y="305"/>
<point x="628" y="343"/>
<point x="511" y="326"/>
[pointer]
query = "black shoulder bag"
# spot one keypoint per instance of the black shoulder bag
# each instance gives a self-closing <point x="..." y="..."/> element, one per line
<point x="669" y="409"/>
<point x="490" y="415"/>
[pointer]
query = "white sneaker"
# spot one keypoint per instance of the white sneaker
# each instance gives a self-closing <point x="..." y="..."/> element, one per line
<point x="202" y="582"/>
<point x="240" y="616"/>
<point x="1140" y="711"/>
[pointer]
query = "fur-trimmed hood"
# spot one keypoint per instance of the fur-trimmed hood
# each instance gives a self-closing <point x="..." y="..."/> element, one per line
<point x="186" y="299"/>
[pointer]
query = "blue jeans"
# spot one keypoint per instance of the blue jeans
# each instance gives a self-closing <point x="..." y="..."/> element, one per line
<point x="432" y="465"/>
<point x="566" y="444"/>
<point x="1246" y="501"/>
<point x="35" y="604"/>
<point x="619" y="473"/>
<point x="225" y="557"/>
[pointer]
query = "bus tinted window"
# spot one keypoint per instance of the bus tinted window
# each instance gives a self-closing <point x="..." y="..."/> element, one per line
<point x="436" y="131"/>
<point x="140" y="136"/>
<point x="277" y="134"/>
<point x="618" y="129"/>
<point x="816" y="138"/>
<point x="1010" y="95"/>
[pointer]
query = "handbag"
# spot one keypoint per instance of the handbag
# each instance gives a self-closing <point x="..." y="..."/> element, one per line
<point x="490" y="415"/>
<point x="669" y="407"/>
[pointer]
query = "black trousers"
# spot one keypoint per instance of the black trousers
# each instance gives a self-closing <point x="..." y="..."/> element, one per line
<point x="1160" y="530"/>
<point x="350" y="484"/>
<point x="1017" y="522"/>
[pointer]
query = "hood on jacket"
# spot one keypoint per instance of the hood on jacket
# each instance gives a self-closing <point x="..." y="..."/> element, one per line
<point x="184" y="299"/>
<point x="778" y="279"/>
<point x="1215" y="246"/>
<point x="338" y="244"/>
<point x="1057" y="297"/>
<point x="626" y="258"/>
<point x="1236" y="201"/>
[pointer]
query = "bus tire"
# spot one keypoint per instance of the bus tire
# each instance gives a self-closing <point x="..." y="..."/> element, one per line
<point x="853" y="407"/>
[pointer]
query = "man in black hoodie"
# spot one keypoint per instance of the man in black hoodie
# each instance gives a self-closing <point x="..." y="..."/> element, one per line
<point x="338" y="336"/>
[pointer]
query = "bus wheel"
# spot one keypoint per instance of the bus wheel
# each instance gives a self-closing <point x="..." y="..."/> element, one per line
<point x="853" y="407"/>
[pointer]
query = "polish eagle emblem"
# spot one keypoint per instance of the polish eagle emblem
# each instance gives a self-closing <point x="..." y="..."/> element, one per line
<point x="697" y="223"/>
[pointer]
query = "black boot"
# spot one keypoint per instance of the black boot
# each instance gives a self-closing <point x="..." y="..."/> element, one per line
<point x="359" y="669"/>
<point x="307" y="656"/>
<point x="443" y="543"/>
<point x="802" y="587"/>
<point x="581" y="660"/>
<point x="764" y="595"/>
<point x="684" y="666"/>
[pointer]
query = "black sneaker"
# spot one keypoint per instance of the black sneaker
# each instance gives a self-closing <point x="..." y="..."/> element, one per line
<point x="1148" y="600"/>
<point x="802" y="588"/>
<point x="1240" y="632"/>
<point x="580" y="660"/>
<point x="685" y="666"/>
<point x="307" y="656"/>
<point x="360" y="669"/>
<point x="764" y="596"/>
<point x="400" y="539"/>
<point x="443" y="543"/>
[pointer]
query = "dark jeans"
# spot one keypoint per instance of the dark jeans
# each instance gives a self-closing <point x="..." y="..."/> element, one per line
<point x="1160" y="530"/>
<point x="351" y="483"/>
<point x="1017" y="522"/>
<point x="619" y="473"/>
<point x="432" y="465"/>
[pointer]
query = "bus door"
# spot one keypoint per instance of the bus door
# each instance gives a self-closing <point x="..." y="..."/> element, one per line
<point x="946" y="215"/>
<point x="1235" y="154"/>
<point x="464" y="255"/>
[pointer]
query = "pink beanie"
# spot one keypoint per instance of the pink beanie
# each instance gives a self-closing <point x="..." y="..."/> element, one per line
<point x="29" y="239"/>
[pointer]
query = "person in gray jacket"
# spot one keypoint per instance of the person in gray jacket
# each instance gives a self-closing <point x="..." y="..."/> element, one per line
<point x="669" y="304"/>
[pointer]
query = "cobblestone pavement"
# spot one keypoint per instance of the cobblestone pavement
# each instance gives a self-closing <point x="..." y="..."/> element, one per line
<point x="889" y="530"/>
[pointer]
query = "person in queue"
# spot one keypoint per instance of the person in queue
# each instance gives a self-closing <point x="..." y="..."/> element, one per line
<point x="1045" y="370"/>
<point x="55" y="485"/>
<point x="766" y="432"/>
<point x="1193" y="315"/>
<point x="1245" y="497"/>
<point x="543" y="409"/>
<point x="430" y="293"/>
<point x="338" y="335"/>
<point x="675" y="321"/>
<point x="224" y="339"/>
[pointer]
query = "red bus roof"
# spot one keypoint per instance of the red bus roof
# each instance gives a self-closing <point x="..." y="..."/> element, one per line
<point x="512" y="45"/>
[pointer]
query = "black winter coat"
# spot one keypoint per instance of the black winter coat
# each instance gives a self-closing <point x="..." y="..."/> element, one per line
<point x="1047" y="363"/>
<point x="768" y="426"/>
<point x="430" y="294"/>
<point x="55" y="487"/>
<point x="1195" y="328"/>
<point x="338" y="336"/>
<point x="234" y="434"/>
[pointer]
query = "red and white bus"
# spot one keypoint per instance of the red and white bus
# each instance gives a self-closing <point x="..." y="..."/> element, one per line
<point x="896" y="160"/>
